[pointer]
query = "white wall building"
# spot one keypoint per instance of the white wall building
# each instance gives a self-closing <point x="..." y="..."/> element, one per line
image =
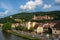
<point x="33" y="24"/>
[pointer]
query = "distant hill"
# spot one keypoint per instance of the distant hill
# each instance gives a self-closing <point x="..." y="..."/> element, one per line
<point x="28" y="16"/>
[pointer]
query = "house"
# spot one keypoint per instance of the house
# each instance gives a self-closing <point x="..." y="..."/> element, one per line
<point x="13" y="25"/>
<point x="56" y="29"/>
<point x="30" y="24"/>
<point x="39" y="27"/>
<point x="46" y="25"/>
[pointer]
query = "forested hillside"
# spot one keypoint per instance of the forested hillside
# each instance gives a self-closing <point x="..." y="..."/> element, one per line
<point x="27" y="16"/>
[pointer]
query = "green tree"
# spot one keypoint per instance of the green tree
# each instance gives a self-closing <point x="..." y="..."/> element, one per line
<point x="6" y="26"/>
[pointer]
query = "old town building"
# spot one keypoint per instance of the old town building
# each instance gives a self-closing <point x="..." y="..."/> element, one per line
<point x="45" y="17"/>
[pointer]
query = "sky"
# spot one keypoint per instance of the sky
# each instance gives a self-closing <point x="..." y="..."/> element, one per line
<point x="10" y="7"/>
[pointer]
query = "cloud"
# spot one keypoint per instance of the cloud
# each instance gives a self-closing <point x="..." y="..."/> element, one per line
<point x="31" y="5"/>
<point x="4" y="13"/>
<point x="46" y="6"/>
<point x="8" y="8"/>
<point x="57" y="1"/>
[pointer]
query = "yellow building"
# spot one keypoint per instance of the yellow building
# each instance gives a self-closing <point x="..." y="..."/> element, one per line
<point x="40" y="29"/>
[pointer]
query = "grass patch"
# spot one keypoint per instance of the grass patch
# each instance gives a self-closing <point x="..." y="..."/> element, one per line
<point x="24" y="36"/>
